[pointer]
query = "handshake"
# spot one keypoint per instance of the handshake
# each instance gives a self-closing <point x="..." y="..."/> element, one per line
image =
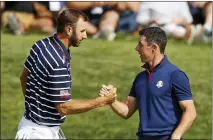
<point x="108" y="94"/>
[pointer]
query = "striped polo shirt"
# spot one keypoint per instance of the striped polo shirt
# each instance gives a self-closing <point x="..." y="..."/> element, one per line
<point x="48" y="82"/>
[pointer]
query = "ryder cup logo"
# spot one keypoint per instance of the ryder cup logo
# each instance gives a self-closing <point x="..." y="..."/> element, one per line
<point x="159" y="84"/>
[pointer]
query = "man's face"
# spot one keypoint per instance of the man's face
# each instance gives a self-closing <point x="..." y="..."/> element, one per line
<point x="79" y="33"/>
<point x="145" y="51"/>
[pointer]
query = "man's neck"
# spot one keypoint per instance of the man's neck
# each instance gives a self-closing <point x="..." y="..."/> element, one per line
<point x="157" y="59"/>
<point x="64" y="40"/>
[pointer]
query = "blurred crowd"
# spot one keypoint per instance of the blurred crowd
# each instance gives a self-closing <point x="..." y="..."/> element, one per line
<point x="189" y="21"/>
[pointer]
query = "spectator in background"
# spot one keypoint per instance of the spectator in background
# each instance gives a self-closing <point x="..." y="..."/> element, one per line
<point x="202" y="20"/>
<point x="99" y="13"/>
<point x="108" y="17"/>
<point x="173" y="17"/>
<point x="128" y="12"/>
<point x="23" y="16"/>
<point x="2" y="5"/>
<point x="125" y="22"/>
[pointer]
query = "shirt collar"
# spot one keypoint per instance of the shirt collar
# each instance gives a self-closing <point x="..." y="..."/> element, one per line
<point x="67" y="52"/>
<point x="161" y="63"/>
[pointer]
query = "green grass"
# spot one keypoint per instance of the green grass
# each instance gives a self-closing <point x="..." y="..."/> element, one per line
<point x="99" y="62"/>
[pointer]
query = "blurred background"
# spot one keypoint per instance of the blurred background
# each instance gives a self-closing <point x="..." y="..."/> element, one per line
<point x="108" y="57"/>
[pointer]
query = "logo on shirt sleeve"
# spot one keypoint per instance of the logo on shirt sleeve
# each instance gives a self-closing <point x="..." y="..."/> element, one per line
<point x="159" y="84"/>
<point x="64" y="94"/>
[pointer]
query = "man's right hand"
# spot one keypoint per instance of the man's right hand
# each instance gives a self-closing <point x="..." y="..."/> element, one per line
<point x="108" y="93"/>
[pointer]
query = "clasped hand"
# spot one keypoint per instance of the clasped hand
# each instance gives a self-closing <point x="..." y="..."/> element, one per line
<point x="108" y="92"/>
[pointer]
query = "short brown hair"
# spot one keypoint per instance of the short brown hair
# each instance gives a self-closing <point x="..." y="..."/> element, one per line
<point x="69" y="17"/>
<point x="155" y="35"/>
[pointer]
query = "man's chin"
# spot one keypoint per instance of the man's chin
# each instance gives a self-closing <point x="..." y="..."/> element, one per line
<point x="143" y="61"/>
<point x="76" y="45"/>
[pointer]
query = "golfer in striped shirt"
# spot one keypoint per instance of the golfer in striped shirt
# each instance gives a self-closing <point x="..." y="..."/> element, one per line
<point x="46" y="81"/>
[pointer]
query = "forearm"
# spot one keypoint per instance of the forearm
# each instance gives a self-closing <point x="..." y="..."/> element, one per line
<point x="186" y="121"/>
<point x="80" y="106"/>
<point x="120" y="108"/>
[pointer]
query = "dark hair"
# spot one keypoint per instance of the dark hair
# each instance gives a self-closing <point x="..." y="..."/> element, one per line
<point x="155" y="35"/>
<point x="69" y="17"/>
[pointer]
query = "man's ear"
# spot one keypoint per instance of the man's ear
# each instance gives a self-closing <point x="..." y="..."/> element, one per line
<point x="68" y="30"/>
<point x="155" y="47"/>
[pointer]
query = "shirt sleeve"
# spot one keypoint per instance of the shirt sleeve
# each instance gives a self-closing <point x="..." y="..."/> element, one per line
<point x="181" y="86"/>
<point x="132" y="90"/>
<point x="60" y="84"/>
<point x="28" y="64"/>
